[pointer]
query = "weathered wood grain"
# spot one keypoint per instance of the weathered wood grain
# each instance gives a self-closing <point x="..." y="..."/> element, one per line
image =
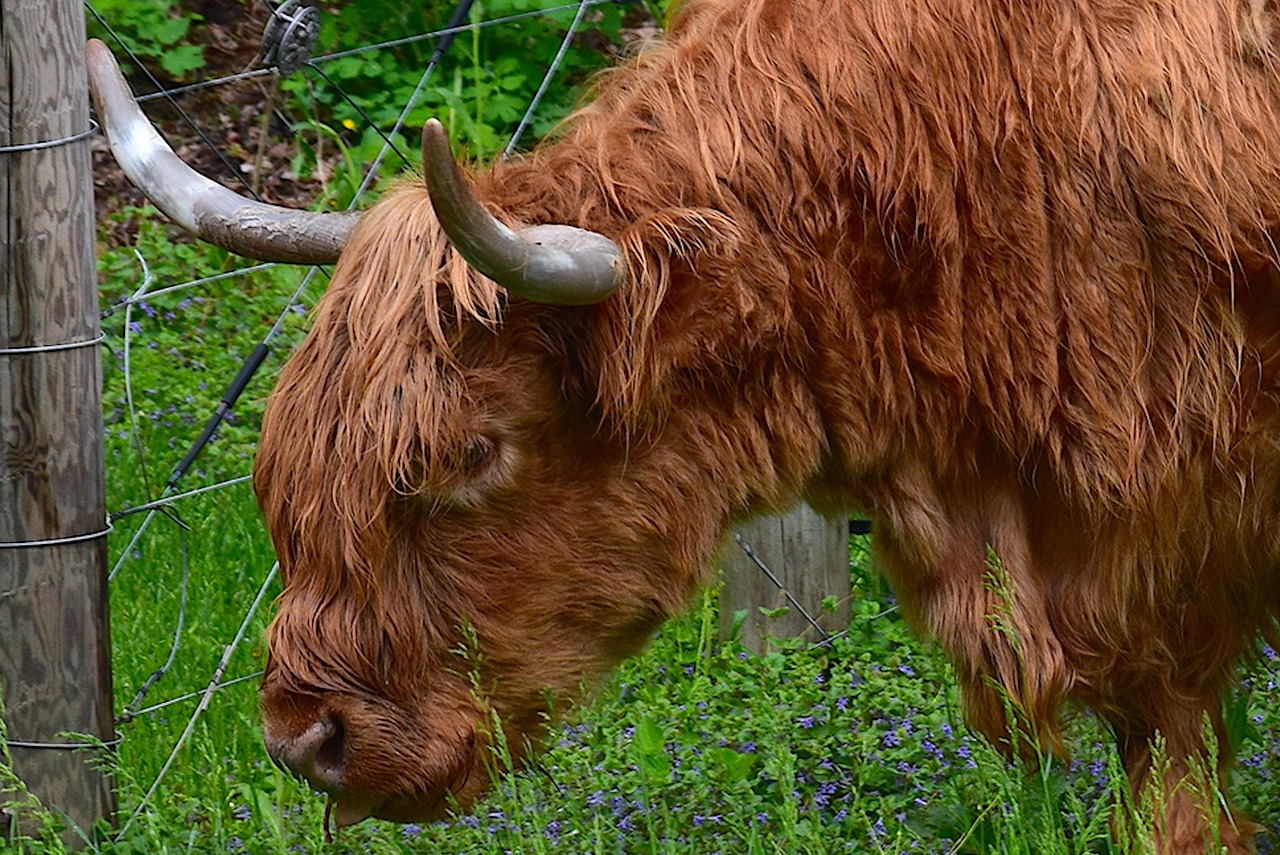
<point x="809" y="554"/>
<point x="54" y="653"/>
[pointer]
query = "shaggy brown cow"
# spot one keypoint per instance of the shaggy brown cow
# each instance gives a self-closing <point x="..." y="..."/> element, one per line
<point x="999" y="274"/>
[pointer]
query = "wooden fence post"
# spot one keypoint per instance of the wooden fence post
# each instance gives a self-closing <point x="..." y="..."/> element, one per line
<point x="55" y="674"/>
<point x="808" y="554"/>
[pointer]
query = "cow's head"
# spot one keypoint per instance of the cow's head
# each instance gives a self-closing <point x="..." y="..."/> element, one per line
<point x="461" y="541"/>
<point x="466" y="531"/>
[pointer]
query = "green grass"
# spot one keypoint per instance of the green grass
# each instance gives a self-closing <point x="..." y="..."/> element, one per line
<point x="697" y="746"/>
<point x="694" y="747"/>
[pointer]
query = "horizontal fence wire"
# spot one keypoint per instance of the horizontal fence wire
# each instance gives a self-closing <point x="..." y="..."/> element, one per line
<point x="170" y="495"/>
<point x="163" y="503"/>
<point x="215" y="685"/>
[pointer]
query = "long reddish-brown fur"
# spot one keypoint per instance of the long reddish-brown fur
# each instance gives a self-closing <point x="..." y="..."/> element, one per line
<point x="999" y="273"/>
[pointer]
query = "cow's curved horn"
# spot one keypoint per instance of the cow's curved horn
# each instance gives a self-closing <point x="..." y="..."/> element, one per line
<point x="562" y="265"/>
<point x="209" y="210"/>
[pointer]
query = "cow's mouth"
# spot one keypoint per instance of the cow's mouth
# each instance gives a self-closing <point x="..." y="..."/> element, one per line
<point x="345" y="808"/>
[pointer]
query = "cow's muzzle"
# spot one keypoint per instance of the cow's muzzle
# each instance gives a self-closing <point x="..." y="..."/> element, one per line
<point x="371" y="758"/>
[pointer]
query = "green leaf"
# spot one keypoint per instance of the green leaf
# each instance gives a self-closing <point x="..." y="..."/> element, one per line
<point x="736" y="767"/>
<point x="649" y="751"/>
<point x="182" y="59"/>
<point x="649" y="738"/>
<point x="170" y="30"/>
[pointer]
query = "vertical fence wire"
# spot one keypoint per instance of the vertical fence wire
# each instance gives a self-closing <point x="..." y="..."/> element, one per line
<point x="164" y="502"/>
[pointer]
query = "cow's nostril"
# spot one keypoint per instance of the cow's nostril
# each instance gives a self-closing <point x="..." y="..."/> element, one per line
<point x="318" y="754"/>
<point x="332" y="752"/>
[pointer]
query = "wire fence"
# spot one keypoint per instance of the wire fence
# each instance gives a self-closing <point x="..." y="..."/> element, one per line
<point x="161" y="503"/>
<point x="290" y="32"/>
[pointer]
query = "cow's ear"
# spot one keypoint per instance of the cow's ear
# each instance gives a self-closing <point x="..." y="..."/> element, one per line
<point x="682" y="300"/>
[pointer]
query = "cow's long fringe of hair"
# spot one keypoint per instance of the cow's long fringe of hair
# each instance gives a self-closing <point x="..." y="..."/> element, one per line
<point x="1030" y="234"/>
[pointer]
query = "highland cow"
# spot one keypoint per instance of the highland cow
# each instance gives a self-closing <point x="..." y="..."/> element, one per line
<point x="1001" y="276"/>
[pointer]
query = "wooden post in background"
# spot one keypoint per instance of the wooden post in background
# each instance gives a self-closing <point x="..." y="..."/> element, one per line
<point x="809" y="556"/>
<point x="55" y="672"/>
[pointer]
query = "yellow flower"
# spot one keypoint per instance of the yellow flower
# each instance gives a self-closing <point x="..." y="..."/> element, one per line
<point x="348" y="124"/>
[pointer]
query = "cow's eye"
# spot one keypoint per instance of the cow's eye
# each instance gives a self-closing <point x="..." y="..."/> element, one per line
<point x="478" y="455"/>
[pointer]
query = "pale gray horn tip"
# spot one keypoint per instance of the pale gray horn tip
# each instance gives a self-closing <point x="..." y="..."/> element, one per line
<point x="203" y="207"/>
